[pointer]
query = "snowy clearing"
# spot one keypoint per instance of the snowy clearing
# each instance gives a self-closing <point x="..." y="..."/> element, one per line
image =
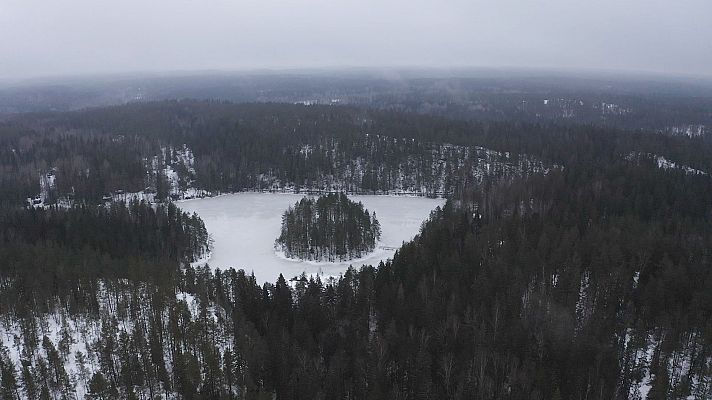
<point x="244" y="227"/>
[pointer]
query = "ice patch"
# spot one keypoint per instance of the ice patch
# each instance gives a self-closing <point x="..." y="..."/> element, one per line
<point x="245" y="225"/>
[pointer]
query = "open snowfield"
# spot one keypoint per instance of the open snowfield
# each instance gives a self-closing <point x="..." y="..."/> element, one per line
<point x="244" y="227"/>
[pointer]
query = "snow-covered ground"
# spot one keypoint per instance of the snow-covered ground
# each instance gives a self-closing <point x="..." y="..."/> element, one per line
<point x="663" y="162"/>
<point x="690" y="130"/>
<point x="244" y="227"/>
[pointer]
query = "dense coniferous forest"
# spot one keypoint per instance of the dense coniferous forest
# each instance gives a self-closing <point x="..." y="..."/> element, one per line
<point x="49" y="253"/>
<point x="675" y="107"/>
<point x="188" y="148"/>
<point x="567" y="269"/>
<point x="178" y="148"/>
<point x="328" y="228"/>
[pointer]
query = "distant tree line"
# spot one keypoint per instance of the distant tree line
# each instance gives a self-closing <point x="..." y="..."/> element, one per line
<point x="238" y="147"/>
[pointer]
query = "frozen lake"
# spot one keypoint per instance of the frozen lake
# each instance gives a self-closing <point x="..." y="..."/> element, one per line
<point x="244" y="227"/>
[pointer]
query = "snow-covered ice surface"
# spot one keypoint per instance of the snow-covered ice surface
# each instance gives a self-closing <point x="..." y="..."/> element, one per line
<point x="244" y="227"/>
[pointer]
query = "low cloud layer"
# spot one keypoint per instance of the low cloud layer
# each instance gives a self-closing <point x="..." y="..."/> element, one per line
<point x="75" y="37"/>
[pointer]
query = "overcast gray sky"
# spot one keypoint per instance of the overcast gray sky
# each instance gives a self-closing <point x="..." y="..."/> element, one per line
<point x="74" y="37"/>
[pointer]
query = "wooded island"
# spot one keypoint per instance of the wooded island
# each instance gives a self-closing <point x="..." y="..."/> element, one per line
<point x="328" y="228"/>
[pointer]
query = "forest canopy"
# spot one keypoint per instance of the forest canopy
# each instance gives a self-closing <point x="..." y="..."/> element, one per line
<point x="329" y="228"/>
<point x="588" y="280"/>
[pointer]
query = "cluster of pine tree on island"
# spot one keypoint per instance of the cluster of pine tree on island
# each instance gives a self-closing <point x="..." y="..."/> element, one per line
<point x="329" y="228"/>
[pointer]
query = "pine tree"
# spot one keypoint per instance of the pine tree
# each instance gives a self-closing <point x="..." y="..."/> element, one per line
<point x="100" y="388"/>
<point x="29" y="384"/>
<point x="8" y="381"/>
